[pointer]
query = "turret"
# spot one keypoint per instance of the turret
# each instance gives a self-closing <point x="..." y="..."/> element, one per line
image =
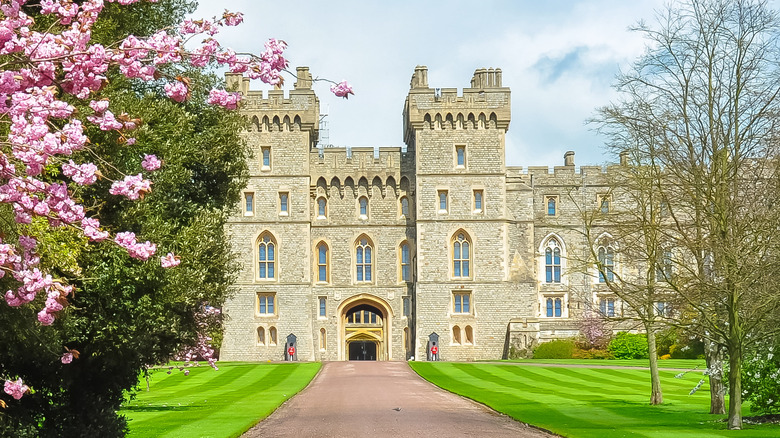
<point x="485" y="105"/>
<point x="277" y="113"/>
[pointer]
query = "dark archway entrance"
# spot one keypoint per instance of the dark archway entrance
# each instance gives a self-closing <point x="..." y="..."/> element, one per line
<point x="362" y="350"/>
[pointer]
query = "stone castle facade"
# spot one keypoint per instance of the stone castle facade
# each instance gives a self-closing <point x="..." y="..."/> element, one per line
<point x="363" y="254"/>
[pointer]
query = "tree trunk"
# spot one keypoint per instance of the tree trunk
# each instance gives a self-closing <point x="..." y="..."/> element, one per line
<point x="735" y="383"/>
<point x="656" y="395"/>
<point x="714" y="356"/>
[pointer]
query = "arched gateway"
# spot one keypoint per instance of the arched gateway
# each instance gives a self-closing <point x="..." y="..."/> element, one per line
<point x="365" y="323"/>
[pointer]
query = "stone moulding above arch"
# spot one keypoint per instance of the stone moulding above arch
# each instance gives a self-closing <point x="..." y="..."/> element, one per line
<point x="557" y="237"/>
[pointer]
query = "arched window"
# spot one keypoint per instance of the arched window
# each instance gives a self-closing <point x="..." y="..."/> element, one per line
<point x="363" y="207"/>
<point x="266" y="257"/>
<point x="552" y="261"/>
<point x="469" y="335"/>
<point x="272" y="336"/>
<point x="363" y="260"/>
<point x="405" y="207"/>
<point x="260" y="336"/>
<point x="456" y="335"/>
<point x="554" y="307"/>
<point x="607" y="261"/>
<point x="461" y="256"/>
<point x="322" y="262"/>
<point x="322" y="207"/>
<point x="323" y="342"/>
<point x="405" y="263"/>
<point x="552" y="204"/>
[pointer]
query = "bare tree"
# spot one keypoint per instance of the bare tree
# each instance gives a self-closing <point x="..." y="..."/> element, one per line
<point x="626" y="242"/>
<point x="701" y="106"/>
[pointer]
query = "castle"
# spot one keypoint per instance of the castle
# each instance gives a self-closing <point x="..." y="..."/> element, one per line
<point x="376" y="254"/>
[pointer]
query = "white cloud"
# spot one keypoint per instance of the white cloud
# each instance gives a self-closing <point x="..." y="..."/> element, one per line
<point x="558" y="57"/>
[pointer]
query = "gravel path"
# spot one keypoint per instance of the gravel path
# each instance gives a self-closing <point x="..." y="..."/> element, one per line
<point x="383" y="399"/>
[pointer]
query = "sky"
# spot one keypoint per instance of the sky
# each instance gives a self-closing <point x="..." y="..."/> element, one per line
<point x="559" y="58"/>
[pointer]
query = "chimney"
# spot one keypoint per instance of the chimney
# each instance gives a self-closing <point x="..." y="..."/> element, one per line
<point x="568" y="158"/>
<point x="624" y="158"/>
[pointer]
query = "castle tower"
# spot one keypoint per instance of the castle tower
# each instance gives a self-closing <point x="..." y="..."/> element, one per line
<point x="270" y="232"/>
<point x="465" y="236"/>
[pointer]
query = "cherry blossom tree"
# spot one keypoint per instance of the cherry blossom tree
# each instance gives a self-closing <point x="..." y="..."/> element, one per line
<point x="66" y="176"/>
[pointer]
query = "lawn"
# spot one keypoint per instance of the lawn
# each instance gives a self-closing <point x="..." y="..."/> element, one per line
<point x="209" y="403"/>
<point x="588" y="402"/>
<point x="686" y="364"/>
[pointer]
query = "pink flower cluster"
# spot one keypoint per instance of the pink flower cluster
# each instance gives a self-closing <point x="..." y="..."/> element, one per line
<point x="205" y="317"/>
<point x="132" y="187"/>
<point x="151" y="163"/>
<point x="82" y="174"/>
<point x="15" y="388"/>
<point x="140" y="251"/>
<point x="342" y="89"/>
<point x="224" y="99"/>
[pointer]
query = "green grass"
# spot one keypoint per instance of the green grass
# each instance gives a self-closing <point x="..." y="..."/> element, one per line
<point x="687" y="364"/>
<point x="209" y="403"/>
<point x="588" y="402"/>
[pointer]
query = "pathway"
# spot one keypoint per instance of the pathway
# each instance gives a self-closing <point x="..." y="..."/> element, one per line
<point x="383" y="399"/>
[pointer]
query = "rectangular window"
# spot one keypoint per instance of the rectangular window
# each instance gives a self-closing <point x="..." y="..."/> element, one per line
<point x="266" y="304"/>
<point x="283" y="203"/>
<point x="460" y="156"/>
<point x="607" y="307"/>
<point x="266" y="151"/>
<point x="605" y="203"/>
<point x="249" y="204"/>
<point x="407" y="306"/>
<point x="405" y="263"/>
<point x="552" y="205"/>
<point x="478" y="201"/>
<point x="554" y="307"/>
<point x="461" y="302"/>
<point x="323" y="307"/>
<point x="442" y="201"/>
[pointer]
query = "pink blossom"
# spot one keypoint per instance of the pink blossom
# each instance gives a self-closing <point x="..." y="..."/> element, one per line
<point x="177" y="91"/>
<point x="132" y="187"/>
<point x="67" y="358"/>
<point x="342" y="89"/>
<point x="16" y="389"/>
<point x="233" y="18"/>
<point x="82" y="174"/>
<point x="224" y="99"/>
<point x="45" y="318"/>
<point x="170" y="260"/>
<point x="92" y="230"/>
<point x="151" y="163"/>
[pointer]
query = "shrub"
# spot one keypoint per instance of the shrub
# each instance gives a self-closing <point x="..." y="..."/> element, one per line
<point x="557" y="349"/>
<point x="666" y="357"/>
<point x="629" y="346"/>
<point x="761" y="379"/>
<point x="593" y="353"/>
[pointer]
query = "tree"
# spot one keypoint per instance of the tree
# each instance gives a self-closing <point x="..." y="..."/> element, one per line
<point x="628" y="231"/>
<point x="86" y="107"/>
<point x="701" y="106"/>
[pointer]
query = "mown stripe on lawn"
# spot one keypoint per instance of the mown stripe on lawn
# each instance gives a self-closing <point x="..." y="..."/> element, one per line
<point x="574" y="402"/>
<point x="515" y="405"/>
<point x="219" y="405"/>
<point x="236" y="403"/>
<point x="571" y="411"/>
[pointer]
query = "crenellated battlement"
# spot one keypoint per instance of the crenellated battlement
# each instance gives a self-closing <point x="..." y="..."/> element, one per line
<point x="353" y="164"/>
<point x="486" y="105"/>
<point x="566" y="174"/>
<point x="275" y="112"/>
